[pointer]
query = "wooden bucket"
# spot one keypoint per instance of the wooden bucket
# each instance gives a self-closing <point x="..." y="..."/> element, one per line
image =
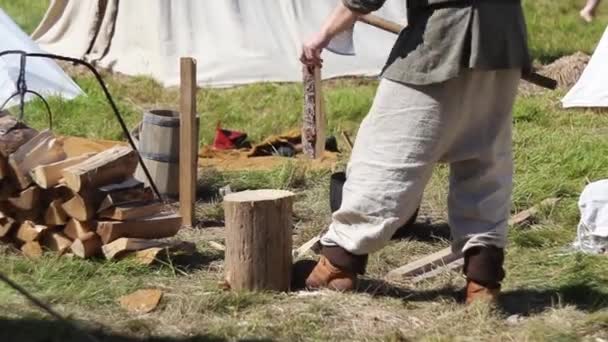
<point x="159" y="148"/>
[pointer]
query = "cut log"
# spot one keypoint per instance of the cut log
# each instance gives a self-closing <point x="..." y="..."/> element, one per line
<point x="28" y="215"/>
<point x="314" y="123"/>
<point x="42" y="149"/>
<point x="420" y="266"/>
<point x="156" y="227"/>
<point x="29" y="231"/>
<point x="132" y="211"/>
<point x="110" y="166"/>
<point x="87" y="248"/>
<point x="79" y="230"/>
<point x="32" y="249"/>
<point x="6" y="226"/>
<point x="56" y="242"/>
<point x="258" y="239"/>
<point x="47" y="176"/>
<point x="55" y="215"/>
<point x="122" y="246"/>
<point x="82" y="207"/>
<point x="27" y="199"/>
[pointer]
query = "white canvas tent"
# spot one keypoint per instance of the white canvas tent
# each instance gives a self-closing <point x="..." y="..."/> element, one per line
<point x="591" y="90"/>
<point x="42" y="75"/>
<point x="234" y="41"/>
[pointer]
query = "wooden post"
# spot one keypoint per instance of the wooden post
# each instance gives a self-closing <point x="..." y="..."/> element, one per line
<point x="188" y="142"/>
<point x="258" y="240"/>
<point x="313" y="127"/>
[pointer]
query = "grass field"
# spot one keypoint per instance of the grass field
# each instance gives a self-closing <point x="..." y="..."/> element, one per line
<point x="550" y="294"/>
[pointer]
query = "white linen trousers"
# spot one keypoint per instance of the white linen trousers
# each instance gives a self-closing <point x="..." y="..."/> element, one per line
<point x="466" y="122"/>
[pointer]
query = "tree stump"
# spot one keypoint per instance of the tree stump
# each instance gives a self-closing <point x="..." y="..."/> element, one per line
<point x="259" y="240"/>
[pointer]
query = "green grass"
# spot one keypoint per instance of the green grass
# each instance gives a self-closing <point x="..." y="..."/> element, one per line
<point x="26" y="13"/>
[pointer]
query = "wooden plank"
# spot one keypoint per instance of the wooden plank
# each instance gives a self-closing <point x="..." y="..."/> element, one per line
<point x="110" y="166"/>
<point x="42" y="149"/>
<point x="87" y="248"/>
<point x="188" y="142"/>
<point x="314" y="121"/>
<point x="81" y="207"/>
<point x="429" y="262"/>
<point x="27" y="199"/>
<point x="47" y="176"/>
<point x="453" y="266"/>
<point x="132" y="211"/>
<point x="29" y="231"/>
<point x="32" y="249"/>
<point x="306" y="247"/>
<point x="156" y="227"/>
<point x="529" y="214"/>
<point x="56" y="242"/>
<point x="123" y="246"/>
<point x="79" y="230"/>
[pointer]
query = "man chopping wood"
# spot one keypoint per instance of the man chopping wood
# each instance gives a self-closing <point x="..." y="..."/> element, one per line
<point x="446" y="96"/>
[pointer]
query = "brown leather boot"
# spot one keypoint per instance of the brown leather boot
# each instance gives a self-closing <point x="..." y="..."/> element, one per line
<point x="326" y="275"/>
<point x="477" y="292"/>
<point x="337" y="269"/>
<point x="483" y="267"/>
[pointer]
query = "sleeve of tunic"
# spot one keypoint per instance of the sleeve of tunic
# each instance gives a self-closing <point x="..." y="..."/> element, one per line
<point x="364" y="6"/>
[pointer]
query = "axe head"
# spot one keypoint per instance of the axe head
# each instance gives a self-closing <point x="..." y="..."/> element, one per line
<point x="343" y="43"/>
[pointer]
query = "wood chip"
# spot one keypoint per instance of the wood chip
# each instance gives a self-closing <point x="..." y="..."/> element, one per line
<point x="141" y="301"/>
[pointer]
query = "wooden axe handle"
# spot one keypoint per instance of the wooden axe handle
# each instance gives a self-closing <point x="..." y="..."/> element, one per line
<point x="393" y="27"/>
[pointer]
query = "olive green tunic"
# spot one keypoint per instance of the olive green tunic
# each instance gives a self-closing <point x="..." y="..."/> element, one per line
<point x="445" y="36"/>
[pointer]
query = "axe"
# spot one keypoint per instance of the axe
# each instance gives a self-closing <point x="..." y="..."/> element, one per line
<point x="343" y="44"/>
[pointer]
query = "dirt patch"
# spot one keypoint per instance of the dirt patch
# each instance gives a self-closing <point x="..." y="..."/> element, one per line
<point x="239" y="160"/>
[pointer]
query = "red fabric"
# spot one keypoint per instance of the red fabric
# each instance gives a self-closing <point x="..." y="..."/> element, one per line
<point x="226" y="139"/>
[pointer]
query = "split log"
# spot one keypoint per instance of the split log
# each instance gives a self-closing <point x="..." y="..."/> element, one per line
<point x="15" y="134"/>
<point x="32" y="249"/>
<point x="156" y="227"/>
<point x="110" y="166"/>
<point x="82" y="207"/>
<point x="122" y="246"/>
<point x="56" y="242"/>
<point x="79" y="230"/>
<point x="259" y="239"/>
<point x="151" y="255"/>
<point x="87" y="248"/>
<point x="55" y="215"/>
<point x="42" y="149"/>
<point x="27" y="199"/>
<point x="28" y="215"/>
<point x="128" y="191"/>
<point x="132" y="211"/>
<point x="47" y="176"/>
<point x="29" y="231"/>
<point x="314" y="123"/>
<point x="6" y="226"/>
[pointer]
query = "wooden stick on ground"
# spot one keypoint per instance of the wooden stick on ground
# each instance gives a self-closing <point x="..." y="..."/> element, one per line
<point x="188" y="142"/>
<point x="445" y="257"/>
<point x="314" y="122"/>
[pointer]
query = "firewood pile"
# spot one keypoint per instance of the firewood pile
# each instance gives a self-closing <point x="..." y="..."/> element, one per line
<point x="86" y="205"/>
